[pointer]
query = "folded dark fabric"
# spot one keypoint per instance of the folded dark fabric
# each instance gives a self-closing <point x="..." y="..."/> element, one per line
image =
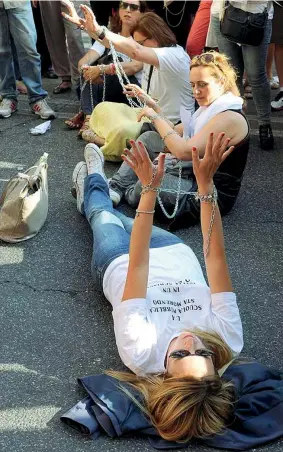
<point x="257" y="418"/>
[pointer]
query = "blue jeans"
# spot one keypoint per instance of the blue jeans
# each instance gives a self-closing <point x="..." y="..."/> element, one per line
<point x="20" y="24"/>
<point x="111" y="228"/>
<point x="252" y="59"/>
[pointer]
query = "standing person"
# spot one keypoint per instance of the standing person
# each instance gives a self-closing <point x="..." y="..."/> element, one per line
<point x="172" y="330"/>
<point x="64" y="42"/>
<point x="277" y="39"/>
<point x="252" y="59"/>
<point x="16" y="20"/>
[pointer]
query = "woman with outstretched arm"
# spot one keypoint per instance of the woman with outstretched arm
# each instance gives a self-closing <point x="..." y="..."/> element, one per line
<point x="173" y="331"/>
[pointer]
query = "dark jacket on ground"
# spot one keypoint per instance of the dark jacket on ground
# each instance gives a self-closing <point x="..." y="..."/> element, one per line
<point x="258" y="414"/>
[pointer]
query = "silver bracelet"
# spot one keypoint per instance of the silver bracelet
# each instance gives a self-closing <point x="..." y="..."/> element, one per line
<point x="158" y="116"/>
<point x="171" y="132"/>
<point x="211" y="198"/>
<point x="146" y="189"/>
<point x="144" y="211"/>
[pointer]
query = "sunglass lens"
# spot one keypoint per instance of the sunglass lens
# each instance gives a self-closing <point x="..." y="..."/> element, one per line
<point x="132" y="6"/>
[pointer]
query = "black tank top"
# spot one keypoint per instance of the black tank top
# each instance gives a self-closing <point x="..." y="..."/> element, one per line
<point x="235" y="163"/>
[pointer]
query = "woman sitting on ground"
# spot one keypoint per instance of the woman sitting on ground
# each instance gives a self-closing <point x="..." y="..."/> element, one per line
<point x="172" y="330"/>
<point x="166" y="64"/>
<point x="99" y="60"/>
<point x="214" y="87"/>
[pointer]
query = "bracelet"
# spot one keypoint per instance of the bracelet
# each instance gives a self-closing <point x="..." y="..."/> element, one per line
<point x="101" y="33"/>
<point x="211" y="198"/>
<point x="144" y="211"/>
<point x="112" y="69"/>
<point x="158" y="116"/>
<point x="171" y="132"/>
<point x="102" y="68"/>
<point x="146" y="189"/>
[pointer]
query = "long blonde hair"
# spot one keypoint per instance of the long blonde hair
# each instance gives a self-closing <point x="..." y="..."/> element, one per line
<point x="220" y="68"/>
<point x="181" y="408"/>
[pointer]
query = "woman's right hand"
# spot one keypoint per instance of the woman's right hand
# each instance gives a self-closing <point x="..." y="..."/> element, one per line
<point x="138" y="159"/>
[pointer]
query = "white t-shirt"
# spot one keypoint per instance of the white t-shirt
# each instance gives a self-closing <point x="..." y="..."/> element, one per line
<point x="178" y="299"/>
<point x="100" y="49"/>
<point x="170" y="84"/>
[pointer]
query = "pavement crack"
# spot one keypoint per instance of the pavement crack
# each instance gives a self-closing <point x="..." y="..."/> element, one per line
<point x="39" y="289"/>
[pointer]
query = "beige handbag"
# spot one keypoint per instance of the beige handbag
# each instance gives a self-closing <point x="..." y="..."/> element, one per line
<point x="24" y="203"/>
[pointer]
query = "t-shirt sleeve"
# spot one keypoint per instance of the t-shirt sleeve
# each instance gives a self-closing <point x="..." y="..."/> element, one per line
<point x="135" y="334"/>
<point x="227" y="320"/>
<point x="169" y="59"/>
<point x="99" y="48"/>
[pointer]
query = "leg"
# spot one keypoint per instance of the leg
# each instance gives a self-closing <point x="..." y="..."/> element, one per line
<point x="232" y="50"/>
<point x="110" y="239"/>
<point x="54" y="30"/>
<point x="159" y="237"/>
<point x="279" y="63"/>
<point x="75" y="44"/>
<point x="23" y="31"/>
<point x="255" y="61"/>
<point x="124" y="180"/>
<point x="7" y="74"/>
<point x="269" y="61"/>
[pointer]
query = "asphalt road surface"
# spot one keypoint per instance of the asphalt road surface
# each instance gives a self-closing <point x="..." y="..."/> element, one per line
<point x="56" y="326"/>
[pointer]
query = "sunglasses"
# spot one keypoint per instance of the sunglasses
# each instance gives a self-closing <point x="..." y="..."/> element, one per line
<point x="132" y="6"/>
<point x="179" y="354"/>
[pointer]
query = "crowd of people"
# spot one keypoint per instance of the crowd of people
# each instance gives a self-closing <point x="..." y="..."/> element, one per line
<point x="172" y="109"/>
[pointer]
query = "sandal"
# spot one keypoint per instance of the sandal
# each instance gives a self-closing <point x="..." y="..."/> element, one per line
<point x="62" y="87"/>
<point x="84" y="127"/>
<point x="91" y="137"/>
<point x="76" y="121"/>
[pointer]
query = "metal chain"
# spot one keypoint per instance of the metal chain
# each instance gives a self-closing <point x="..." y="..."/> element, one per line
<point x="182" y="12"/>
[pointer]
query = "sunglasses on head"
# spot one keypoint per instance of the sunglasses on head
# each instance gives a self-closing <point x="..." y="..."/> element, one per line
<point x="179" y="354"/>
<point x="132" y="6"/>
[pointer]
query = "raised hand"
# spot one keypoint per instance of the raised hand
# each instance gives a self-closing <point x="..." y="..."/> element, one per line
<point x="137" y="158"/>
<point x="89" y="22"/>
<point x="72" y="15"/>
<point x="215" y="153"/>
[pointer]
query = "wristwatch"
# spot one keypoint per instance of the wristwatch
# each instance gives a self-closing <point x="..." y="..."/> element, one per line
<point x="101" y="33"/>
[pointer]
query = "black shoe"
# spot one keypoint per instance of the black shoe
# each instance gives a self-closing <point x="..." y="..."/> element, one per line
<point x="49" y="73"/>
<point x="266" y="139"/>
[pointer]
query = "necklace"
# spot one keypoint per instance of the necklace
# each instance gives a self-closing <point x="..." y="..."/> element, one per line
<point x="182" y="12"/>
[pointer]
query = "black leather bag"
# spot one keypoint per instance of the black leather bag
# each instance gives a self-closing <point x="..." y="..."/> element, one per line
<point x="243" y="27"/>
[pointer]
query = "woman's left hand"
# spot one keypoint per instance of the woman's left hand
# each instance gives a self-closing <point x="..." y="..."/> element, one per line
<point x="146" y="112"/>
<point x="215" y="153"/>
<point x="138" y="159"/>
<point x="88" y="23"/>
<point x="91" y="73"/>
<point x="133" y="90"/>
<point x="72" y="15"/>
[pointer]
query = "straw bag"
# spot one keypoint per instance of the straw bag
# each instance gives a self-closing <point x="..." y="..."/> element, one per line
<point x="24" y="203"/>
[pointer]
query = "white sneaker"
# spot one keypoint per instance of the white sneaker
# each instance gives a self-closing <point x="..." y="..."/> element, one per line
<point x="42" y="109"/>
<point x="79" y="175"/>
<point x="114" y="196"/>
<point x="7" y="107"/>
<point x="277" y="103"/>
<point x="94" y="160"/>
<point x="274" y="84"/>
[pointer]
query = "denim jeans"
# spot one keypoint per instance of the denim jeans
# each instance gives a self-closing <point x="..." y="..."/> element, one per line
<point x="252" y="59"/>
<point x="112" y="229"/>
<point x="20" y="24"/>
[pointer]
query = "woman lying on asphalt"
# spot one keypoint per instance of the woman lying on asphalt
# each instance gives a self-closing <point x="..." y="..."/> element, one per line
<point x="173" y="331"/>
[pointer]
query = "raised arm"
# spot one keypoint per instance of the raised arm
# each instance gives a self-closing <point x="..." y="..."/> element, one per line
<point x="211" y="223"/>
<point x="137" y="276"/>
<point x="125" y="45"/>
<point x="229" y="122"/>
